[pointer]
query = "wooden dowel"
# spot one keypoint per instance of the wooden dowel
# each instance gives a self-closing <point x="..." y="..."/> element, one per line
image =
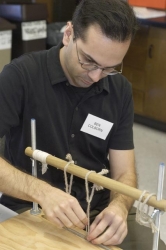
<point x="101" y="180"/>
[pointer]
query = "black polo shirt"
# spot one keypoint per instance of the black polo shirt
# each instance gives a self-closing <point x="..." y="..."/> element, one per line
<point x="35" y="86"/>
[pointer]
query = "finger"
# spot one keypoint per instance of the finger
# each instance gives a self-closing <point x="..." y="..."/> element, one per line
<point x="113" y="235"/>
<point x="85" y="220"/>
<point x="115" y="240"/>
<point x="74" y="214"/>
<point x="78" y="211"/>
<point x="54" y="220"/>
<point x="74" y="219"/>
<point x="95" y="223"/>
<point x="98" y="230"/>
<point x="58" y="215"/>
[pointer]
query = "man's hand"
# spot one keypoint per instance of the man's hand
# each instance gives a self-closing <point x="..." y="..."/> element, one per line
<point x="109" y="227"/>
<point x="58" y="206"/>
<point x="63" y="209"/>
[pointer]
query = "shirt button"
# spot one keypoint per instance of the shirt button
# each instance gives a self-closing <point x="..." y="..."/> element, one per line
<point x="72" y="135"/>
<point x="76" y="108"/>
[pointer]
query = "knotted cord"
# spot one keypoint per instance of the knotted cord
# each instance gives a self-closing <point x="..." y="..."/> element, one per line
<point x="68" y="186"/>
<point x="89" y="197"/>
<point x="41" y="156"/>
<point x="142" y="212"/>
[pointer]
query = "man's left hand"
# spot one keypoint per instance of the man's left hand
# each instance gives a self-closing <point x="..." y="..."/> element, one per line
<point x="109" y="227"/>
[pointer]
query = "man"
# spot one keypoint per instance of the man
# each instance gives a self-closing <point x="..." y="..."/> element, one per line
<point x="82" y="106"/>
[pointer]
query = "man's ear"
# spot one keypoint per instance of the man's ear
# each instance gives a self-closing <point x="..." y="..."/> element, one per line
<point x="68" y="33"/>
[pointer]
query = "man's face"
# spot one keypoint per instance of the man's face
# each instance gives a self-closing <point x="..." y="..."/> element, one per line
<point x="97" y="49"/>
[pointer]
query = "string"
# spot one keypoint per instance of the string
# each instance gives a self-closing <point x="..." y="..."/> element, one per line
<point x="89" y="197"/>
<point x="142" y="212"/>
<point x="68" y="186"/>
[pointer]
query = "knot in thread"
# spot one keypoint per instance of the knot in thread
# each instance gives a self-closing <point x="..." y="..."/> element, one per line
<point x="103" y="172"/>
<point x="69" y="158"/>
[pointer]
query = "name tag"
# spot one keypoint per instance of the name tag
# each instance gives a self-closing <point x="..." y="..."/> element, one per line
<point x="5" y="39"/>
<point x="96" y="126"/>
<point x="34" y="30"/>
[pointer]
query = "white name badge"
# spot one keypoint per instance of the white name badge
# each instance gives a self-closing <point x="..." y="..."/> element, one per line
<point x="5" y="39"/>
<point x="34" y="30"/>
<point x="96" y="126"/>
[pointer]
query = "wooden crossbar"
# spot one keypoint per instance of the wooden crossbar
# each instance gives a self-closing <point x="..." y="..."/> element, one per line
<point x="101" y="180"/>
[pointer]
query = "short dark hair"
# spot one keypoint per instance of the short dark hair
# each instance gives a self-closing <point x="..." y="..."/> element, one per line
<point x="115" y="18"/>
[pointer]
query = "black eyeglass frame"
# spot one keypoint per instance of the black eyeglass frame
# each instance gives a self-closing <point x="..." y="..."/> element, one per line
<point x="95" y="67"/>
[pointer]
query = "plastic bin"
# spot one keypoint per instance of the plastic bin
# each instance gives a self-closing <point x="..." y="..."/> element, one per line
<point x="31" y="27"/>
<point x="54" y="33"/>
<point x="5" y="42"/>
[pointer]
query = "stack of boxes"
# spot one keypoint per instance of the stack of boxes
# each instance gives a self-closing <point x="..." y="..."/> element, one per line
<point x="29" y="21"/>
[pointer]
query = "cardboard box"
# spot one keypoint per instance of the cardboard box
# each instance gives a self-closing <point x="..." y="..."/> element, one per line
<point x="156" y="4"/>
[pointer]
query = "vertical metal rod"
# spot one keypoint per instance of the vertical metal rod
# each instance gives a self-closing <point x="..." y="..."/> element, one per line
<point x="33" y="142"/>
<point x="35" y="210"/>
<point x="158" y="213"/>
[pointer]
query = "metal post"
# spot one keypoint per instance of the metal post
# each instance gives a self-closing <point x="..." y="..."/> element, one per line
<point x="158" y="213"/>
<point x="35" y="210"/>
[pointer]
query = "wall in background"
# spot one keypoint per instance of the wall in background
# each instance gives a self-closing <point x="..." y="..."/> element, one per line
<point x="59" y="10"/>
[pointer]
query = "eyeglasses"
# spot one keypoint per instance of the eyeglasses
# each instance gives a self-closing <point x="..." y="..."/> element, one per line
<point x="107" y="70"/>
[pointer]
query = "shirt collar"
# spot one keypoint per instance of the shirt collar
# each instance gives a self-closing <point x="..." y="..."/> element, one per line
<point x="104" y="83"/>
<point x="57" y="75"/>
<point x="55" y="71"/>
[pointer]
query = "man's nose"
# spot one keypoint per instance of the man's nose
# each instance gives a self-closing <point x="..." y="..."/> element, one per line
<point x="95" y="75"/>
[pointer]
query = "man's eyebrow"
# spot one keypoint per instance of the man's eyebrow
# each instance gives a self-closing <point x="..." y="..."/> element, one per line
<point x="89" y="57"/>
<point x="97" y="62"/>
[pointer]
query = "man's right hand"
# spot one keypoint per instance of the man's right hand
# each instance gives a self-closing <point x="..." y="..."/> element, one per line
<point x="58" y="206"/>
<point x="62" y="209"/>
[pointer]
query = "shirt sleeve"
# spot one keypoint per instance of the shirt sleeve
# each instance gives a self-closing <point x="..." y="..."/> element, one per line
<point x="123" y="136"/>
<point x="11" y="98"/>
